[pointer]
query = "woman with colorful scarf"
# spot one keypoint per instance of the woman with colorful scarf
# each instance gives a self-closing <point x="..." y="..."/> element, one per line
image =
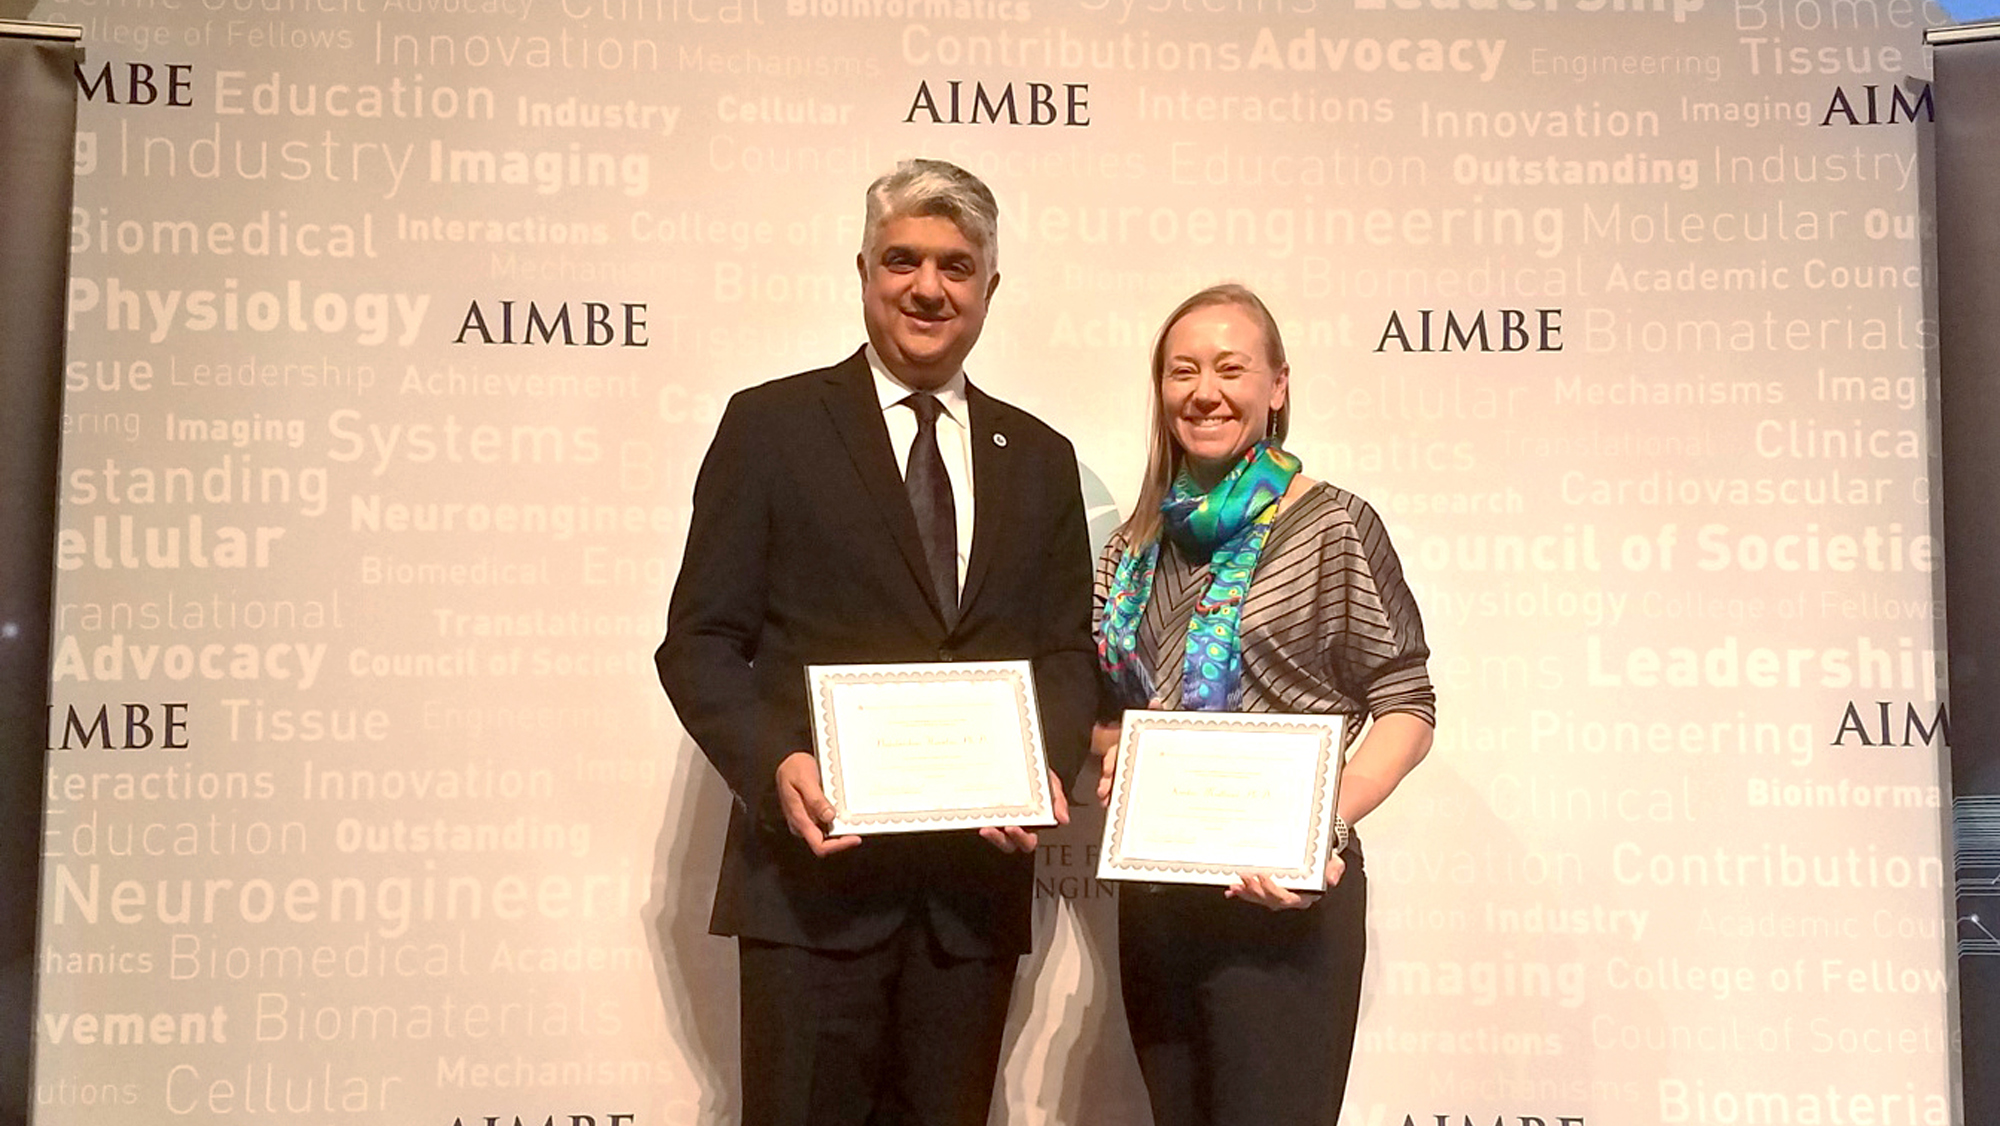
<point x="1240" y="584"/>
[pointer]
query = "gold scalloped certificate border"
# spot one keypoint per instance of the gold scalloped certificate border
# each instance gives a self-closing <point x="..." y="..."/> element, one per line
<point x="1308" y="875"/>
<point x="824" y="680"/>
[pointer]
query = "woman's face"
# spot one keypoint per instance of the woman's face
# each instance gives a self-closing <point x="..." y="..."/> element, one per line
<point x="1218" y="388"/>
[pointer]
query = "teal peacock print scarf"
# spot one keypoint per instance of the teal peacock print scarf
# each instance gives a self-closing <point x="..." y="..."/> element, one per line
<point x="1229" y="524"/>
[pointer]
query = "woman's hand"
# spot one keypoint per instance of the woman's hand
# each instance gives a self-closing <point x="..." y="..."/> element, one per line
<point x="1393" y="746"/>
<point x="1104" y="744"/>
<point x="1265" y="892"/>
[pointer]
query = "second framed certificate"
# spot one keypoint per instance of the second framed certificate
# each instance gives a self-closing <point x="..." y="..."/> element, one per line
<point x="1200" y="797"/>
<point x="947" y="745"/>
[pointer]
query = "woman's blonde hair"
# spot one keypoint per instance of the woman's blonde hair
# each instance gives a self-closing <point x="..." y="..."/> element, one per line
<point x="1163" y="459"/>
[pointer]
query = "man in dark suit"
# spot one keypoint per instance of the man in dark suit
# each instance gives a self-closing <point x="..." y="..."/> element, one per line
<point x="879" y="510"/>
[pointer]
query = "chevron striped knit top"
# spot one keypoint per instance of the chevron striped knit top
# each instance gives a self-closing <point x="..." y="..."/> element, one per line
<point x="1328" y="627"/>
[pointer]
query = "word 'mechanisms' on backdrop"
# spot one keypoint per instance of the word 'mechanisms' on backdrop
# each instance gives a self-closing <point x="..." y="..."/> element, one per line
<point x="398" y="328"/>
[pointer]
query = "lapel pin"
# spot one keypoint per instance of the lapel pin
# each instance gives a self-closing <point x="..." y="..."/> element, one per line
<point x="1000" y="440"/>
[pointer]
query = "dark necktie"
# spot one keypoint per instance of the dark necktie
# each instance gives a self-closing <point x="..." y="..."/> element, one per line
<point x="930" y="499"/>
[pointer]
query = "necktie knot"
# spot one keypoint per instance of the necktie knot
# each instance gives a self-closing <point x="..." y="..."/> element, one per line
<point x="927" y="407"/>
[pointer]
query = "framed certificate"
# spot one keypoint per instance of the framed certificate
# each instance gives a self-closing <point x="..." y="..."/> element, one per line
<point x="1200" y="797"/>
<point x="949" y="745"/>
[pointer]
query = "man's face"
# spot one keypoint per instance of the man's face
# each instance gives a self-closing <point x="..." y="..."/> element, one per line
<point x="924" y="289"/>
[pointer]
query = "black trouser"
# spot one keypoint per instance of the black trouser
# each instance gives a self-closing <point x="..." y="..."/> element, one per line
<point x="901" y="1034"/>
<point x="1243" y="1016"/>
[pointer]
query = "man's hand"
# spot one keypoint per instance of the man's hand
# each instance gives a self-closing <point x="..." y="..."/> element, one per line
<point x="807" y="812"/>
<point x="1012" y="838"/>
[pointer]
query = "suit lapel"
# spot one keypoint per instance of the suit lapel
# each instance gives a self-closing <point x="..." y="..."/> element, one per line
<point x="849" y="397"/>
<point x="993" y="469"/>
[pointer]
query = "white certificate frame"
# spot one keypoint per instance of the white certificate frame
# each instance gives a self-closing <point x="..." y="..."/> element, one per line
<point x="866" y="723"/>
<point x="1188" y="781"/>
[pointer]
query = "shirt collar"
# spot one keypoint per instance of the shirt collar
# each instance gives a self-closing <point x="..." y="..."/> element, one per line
<point x="891" y="392"/>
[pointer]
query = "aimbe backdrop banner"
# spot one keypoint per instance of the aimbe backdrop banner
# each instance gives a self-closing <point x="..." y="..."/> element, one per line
<point x="399" y="328"/>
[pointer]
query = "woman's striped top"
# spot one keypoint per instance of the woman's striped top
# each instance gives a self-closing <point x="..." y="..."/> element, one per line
<point x="1328" y="626"/>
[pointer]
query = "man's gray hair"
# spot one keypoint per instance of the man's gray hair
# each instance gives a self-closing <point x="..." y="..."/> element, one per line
<point x="940" y="188"/>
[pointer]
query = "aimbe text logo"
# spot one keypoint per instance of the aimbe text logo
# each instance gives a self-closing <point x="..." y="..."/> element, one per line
<point x="1037" y="104"/>
<point x="620" y="1118"/>
<point x="1497" y="1120"/>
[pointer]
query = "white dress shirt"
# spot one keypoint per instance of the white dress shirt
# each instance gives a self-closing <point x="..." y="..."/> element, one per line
<point x="954" y="434"/>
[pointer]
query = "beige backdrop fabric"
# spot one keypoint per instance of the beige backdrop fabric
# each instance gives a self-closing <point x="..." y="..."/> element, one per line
<point x="399" y="327"/>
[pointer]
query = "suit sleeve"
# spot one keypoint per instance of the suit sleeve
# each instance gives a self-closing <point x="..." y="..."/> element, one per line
<point x="715" y="618"/>
<point x="1066" y="662"/>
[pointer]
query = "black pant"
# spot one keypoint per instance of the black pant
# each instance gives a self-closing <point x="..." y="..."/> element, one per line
<point x="1243" y="1016"/>
<point x="902" y="1034"/>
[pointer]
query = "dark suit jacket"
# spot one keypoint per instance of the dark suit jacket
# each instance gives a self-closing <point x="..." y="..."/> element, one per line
<point x="803" y="550"/>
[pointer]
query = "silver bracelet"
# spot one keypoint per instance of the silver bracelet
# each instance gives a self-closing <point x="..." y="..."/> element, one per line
<point x="1341" y="833"/>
